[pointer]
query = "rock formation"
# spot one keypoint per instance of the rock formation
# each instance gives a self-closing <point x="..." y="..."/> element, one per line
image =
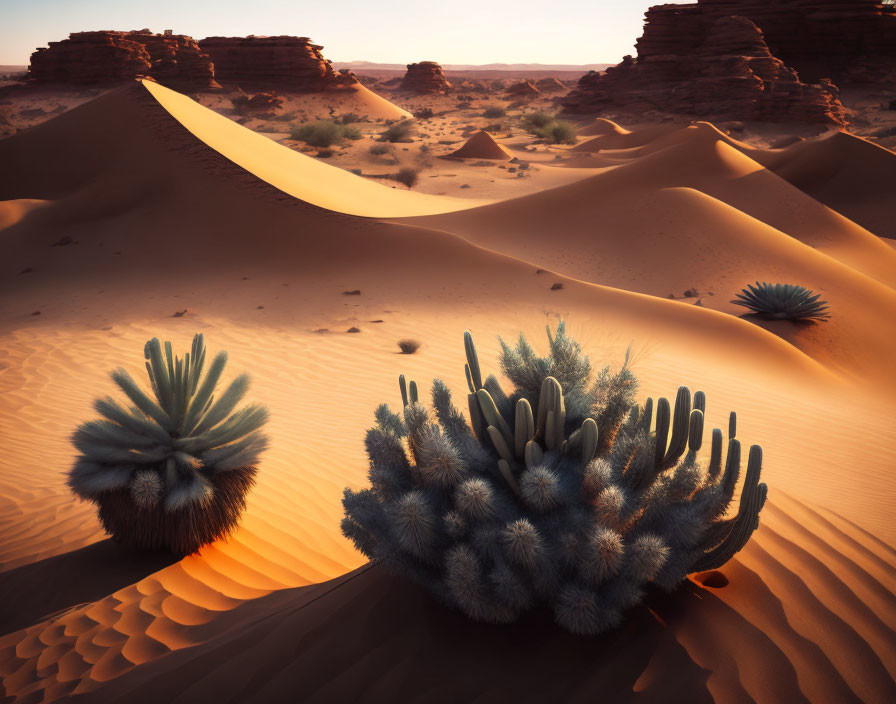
<point x="845" y="40"/>
<point x="425" y="77"/>
<point x="103" y="57"/>
<point x="523" y="89"/>
<point x="290" y="63"/>
<point x="550" y="85"/>
<point x="259" y="104"/>
<point x="721" y="70"/>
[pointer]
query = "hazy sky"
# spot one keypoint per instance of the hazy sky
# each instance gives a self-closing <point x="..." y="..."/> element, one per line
<point x="448" y="31"/>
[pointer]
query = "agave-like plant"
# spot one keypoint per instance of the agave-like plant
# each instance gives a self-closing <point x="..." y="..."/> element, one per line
<point x="564" y="492"/>
<point x="782" y="302"/>
<point x="171" y="471"/>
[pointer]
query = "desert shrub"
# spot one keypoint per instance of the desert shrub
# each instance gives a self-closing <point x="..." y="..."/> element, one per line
<point x="538" y="120"/>
<point x="322" y="133"/>
<point x="782" y="302"/>
<point x="379" y="149"/>
<point x="563" y="492"/>
<point x="398" y="132"/>
<point x="408" y="346"/>
<point x="493" y="111"/>
<point x="423" y="113"/>
<point x="347" y="118"/>
<point x="559" y="132"/>
<point x="549" y="128"/>
<point x="172" y="471"/>
<point x="407" y="176"/>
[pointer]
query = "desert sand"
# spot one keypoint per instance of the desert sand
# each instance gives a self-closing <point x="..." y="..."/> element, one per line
<point x="108" y="232"/>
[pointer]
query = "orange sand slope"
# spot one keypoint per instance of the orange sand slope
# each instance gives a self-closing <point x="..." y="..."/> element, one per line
<point x="151" y="219"/>
<point x="699" y="214"/>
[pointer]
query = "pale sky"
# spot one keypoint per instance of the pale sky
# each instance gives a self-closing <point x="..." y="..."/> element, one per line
<point x="385" y="31"/>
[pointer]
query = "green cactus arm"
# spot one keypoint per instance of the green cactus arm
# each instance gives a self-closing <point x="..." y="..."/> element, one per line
<point x="403" y="386"/>
<point x="472" y="360"/>
<point x="470" y="383"/>
<point x="647" y="416"/>
<point x="477" y="422"/>
<point x="700" y="402"/>
<point x="534" y="455"/>
<point x="504" y="468"/>
<point x="695" y="431"/>
<point x="732" y="425"/>
<point x="492" y="416"/>
<point x="559" y="417"/>
<point x="715" y="454"/>
<point x="589" y="440"/>
<point x="752" y="501"/>
<point x="524" y="429"/>
<point x="551" y="399"/>
<point x="500" y="443"/>
<point x="550" y="437"/>
<point x="663" y="413"/>
<point x="680" y="422"/>
<point x="412" y="392"/>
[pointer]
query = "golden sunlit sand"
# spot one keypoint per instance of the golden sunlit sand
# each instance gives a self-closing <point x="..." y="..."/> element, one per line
<point x="185" y="210"/>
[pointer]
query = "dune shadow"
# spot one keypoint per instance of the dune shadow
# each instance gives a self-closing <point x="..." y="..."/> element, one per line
<point x="370" y="636"/>
<point x="32" y="592"/>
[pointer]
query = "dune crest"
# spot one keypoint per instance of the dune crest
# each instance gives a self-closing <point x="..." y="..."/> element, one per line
<point x="298" y="175"/>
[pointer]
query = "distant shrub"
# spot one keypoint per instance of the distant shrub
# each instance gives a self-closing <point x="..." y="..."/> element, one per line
<point x="408" y="176"/>
<point x="379" y="149"/>
<point x="558" y="132"/>
<point x="538" y="120"/>
<point x="322" y="133"/>
<point x="493" y="111"/>
<point x="564" y="492"/>
<point x="398" y="132"/>
<point x="408" y="346"/>
<point x="423" y="113"/>
<point x="350" y="117"/>
<point x="172" y="471"/>
<point x="782" y="302"/>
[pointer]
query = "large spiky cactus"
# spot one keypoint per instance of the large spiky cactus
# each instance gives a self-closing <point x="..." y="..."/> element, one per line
<point x="172" y="470"/>
<point x="782" y="302"/>
<point x="562" y="492"/>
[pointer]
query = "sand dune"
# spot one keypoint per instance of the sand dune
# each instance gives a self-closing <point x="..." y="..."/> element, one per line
<point x="702" y="215"/>
<point x="481" y="145"/>
<point x="622" y="139"/>
<point x="845" y="172"/>
<point x="158" y="220"/>
<point x="600" y="127"/>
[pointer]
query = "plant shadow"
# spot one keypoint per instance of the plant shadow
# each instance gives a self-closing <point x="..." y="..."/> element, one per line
<point x="32" y="593"/>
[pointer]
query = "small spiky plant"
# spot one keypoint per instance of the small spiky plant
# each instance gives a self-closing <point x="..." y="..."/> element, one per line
<point x="564" y="492"/>
<point x="782" y="302"/>
<point x="170" y="472"/>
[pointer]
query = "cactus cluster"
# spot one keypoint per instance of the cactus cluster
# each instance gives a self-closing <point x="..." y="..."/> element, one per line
<point x="172" y="470"/>
<point x="782" y="302"/>
<point x="563" y="492"/>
